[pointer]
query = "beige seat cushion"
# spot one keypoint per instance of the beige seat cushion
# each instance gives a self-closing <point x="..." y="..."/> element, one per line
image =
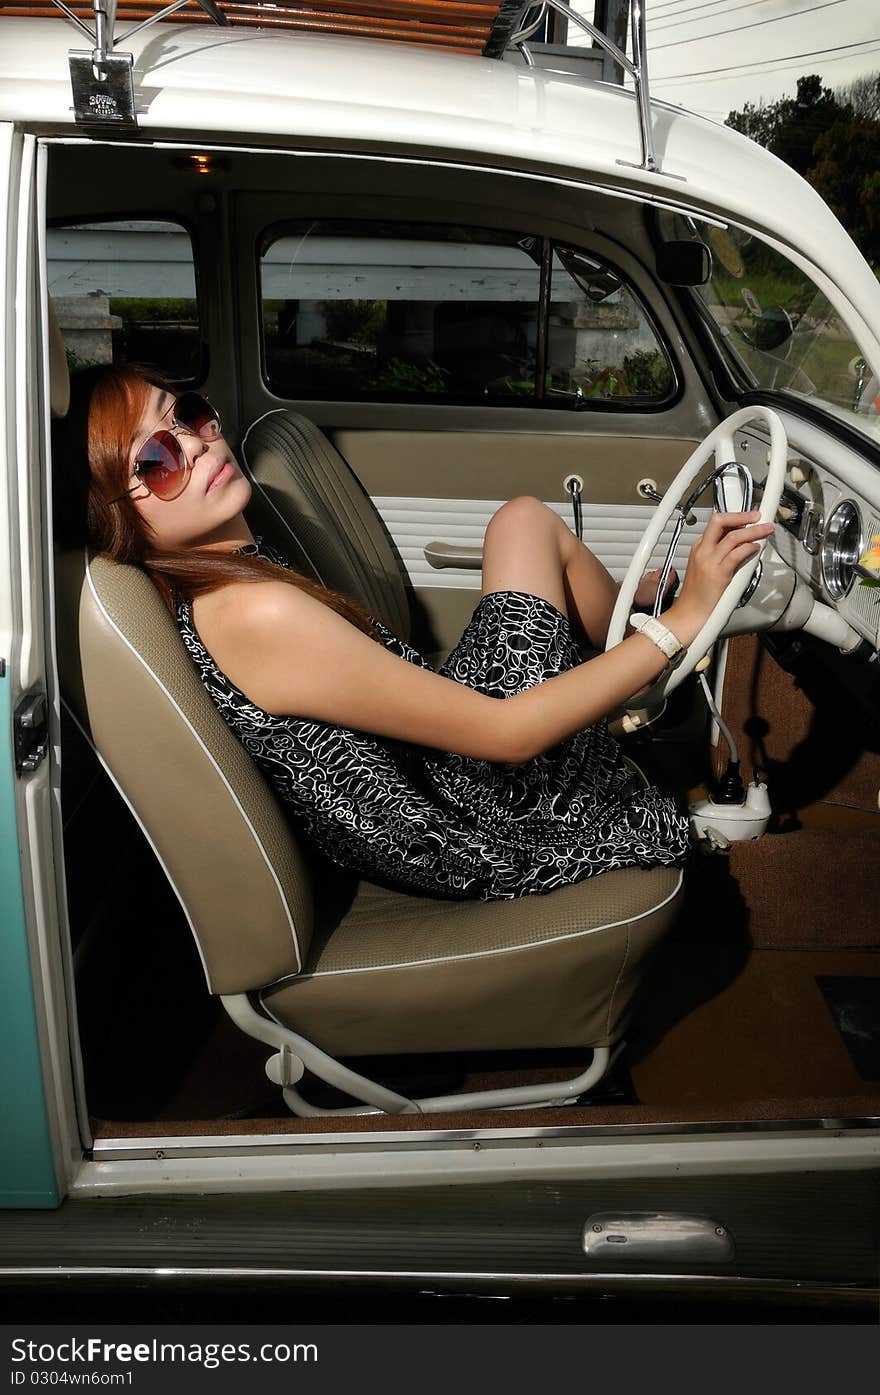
<point x="406" y="974"/>
<point x="208" y="814"/>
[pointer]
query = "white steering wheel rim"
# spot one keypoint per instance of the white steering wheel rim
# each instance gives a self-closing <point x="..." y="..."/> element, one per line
<point x="717" y="442"/>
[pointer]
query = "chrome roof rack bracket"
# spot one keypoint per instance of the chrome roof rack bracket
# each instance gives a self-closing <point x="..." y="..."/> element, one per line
<point x="101" y="78"/>
<point x="533" y="18"/>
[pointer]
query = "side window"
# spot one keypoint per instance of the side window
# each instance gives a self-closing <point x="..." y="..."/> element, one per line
<point x="126" y="292"/>
<point x="601" y="345"/>
<point x="395" y="311"/>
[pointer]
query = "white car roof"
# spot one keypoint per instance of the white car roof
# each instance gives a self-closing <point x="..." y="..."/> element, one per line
<point x="328" y="91"/>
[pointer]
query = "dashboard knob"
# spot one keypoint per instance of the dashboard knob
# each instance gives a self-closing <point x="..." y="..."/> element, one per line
<point x="797" y="475"/>
<point x="784" y="513"/>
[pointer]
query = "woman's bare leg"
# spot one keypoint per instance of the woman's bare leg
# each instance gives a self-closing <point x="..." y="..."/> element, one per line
<point x="528" y="548"/>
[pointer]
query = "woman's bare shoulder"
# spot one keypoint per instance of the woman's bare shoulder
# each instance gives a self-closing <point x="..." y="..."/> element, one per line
<point x="257" y="608"/>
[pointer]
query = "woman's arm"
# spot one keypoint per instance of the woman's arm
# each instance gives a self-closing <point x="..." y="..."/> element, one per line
<point x="291" y="654"/>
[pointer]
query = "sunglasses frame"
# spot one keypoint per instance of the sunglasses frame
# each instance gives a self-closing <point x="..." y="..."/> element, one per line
<point x="171" y="431"/>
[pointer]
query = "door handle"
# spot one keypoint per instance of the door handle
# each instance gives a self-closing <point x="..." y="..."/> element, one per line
<point x="610" y="1236"/>
<point x="441" y="554"/>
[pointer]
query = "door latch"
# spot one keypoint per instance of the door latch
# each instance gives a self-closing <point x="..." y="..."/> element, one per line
<point x="31" y="732"/>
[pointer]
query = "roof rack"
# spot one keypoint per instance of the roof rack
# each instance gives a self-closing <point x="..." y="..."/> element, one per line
<point x="102" y="81"/>
<point x="535" y="18"/>
<point x="481" y="27"/>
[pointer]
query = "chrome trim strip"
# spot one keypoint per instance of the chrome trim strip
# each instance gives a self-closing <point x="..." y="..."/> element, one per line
<point x="742" y="1284"/>
<point x="162" y="1149"/>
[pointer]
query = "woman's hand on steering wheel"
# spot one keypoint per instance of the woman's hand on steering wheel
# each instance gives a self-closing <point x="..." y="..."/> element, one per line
<point x="728" y="541"/>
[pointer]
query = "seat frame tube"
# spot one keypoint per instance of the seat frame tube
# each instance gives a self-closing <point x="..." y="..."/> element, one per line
<point x="295" y="1055"/>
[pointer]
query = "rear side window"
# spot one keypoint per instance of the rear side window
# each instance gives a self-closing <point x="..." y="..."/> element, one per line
<point x="395" y="311"/>
<point x="125" y="292"/>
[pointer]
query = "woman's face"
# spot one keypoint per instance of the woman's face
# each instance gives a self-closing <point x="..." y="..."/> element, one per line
<point x="209" y="509"/>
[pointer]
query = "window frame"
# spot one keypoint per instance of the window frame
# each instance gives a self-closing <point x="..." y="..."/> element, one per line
<point x="540" y="398"/>
<point x="156" y="216"/>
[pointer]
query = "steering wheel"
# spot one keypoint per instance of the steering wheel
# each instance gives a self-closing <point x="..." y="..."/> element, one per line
<point x="720" y="443"/>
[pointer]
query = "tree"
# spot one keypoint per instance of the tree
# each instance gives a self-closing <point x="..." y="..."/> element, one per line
<point x="790" y="127"/>
<point x="846" y="174"/>
<point x="862" y="95"/>
<point x="758" y="121"/>
<point x="833" y="140"/>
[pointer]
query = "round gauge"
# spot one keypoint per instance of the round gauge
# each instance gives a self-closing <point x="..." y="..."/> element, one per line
<point x="726" y="251"/>
<point x="841" y="548"/>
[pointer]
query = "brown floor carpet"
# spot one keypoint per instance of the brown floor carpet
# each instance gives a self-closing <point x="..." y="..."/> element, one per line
<point x="803" y="735"/>
<point x="810" y="889"/>
<point x="768" y="1033"/>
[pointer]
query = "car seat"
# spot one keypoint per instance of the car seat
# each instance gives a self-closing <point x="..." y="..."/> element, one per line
<point x="372" y="971"/>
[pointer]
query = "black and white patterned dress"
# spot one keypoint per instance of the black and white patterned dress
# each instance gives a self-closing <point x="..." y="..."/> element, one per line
<point x="448" y="825"/>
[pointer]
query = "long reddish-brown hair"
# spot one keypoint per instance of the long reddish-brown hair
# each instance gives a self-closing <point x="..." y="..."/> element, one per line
<point x="106" y="407"/>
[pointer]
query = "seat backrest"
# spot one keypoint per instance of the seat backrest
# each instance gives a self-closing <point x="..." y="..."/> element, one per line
<point x="204" y="807"/>
<point x="312" y="507"/>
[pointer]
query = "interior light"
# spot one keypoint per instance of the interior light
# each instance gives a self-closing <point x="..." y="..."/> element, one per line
<point x="201" y="163"/>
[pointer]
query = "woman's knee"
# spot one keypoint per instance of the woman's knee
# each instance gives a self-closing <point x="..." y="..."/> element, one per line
<point x="525" y="513"/>
<point x="526" y="522"/>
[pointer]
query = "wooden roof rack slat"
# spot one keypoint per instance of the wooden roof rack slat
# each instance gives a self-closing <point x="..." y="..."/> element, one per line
<point x="452" y="12"/>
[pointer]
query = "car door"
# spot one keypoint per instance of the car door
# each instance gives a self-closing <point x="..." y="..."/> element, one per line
<point x="42" y="1133"/>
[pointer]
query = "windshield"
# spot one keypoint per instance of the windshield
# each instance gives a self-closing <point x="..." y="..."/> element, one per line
<point x="777" y="331"/>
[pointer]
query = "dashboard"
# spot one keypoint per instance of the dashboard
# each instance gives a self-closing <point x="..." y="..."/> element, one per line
<point x="830" y="511"/>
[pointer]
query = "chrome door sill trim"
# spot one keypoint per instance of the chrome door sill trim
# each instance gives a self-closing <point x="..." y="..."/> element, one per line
<point x="242" y="1145"/>
<point x="456" y="1278"/>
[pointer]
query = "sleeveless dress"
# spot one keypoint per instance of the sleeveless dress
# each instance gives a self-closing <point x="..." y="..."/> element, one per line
<point x="447" y="825"/>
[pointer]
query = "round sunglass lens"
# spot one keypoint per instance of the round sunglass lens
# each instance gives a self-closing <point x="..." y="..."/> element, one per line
<point x="195" y="413"/>
<point x="160" y="465"/>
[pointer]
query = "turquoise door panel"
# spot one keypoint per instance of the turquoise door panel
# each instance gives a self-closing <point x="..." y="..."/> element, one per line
<point x="27" y="1172"/>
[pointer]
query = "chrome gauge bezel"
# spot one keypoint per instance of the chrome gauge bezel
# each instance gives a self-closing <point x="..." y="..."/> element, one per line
<point x="838" y="560"/>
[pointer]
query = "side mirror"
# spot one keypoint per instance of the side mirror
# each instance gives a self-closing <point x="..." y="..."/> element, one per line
<point x="684" y="263"/>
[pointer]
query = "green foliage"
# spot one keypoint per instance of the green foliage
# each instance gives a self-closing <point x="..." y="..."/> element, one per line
<point x="845" y="173"/>
<point x="399" y="376"/>
<point x="833" y="140"/>
<point x="354" y="321"/>
<point x="644" y="373"/>
<point x="791" y="126"/>
<point x="75" y="364"/>
<point x="153" y="310"/>
<point x="607" y="381"/>
<point x="647" y="373"/>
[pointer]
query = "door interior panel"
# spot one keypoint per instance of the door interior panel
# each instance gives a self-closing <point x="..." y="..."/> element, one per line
<point x="435" y="488"/>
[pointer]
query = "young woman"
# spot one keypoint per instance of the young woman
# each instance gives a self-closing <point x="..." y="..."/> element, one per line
<point x="421" y="780"/>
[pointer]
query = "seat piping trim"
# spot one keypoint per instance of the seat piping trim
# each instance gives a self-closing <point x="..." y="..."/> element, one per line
<point x="211" y="760"/>
<point x="144" y="830"/>
<point x="479" y="954"/>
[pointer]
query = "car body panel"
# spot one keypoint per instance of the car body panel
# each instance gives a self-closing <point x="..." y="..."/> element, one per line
<point x="503" y="1201"/>
<point x="27" y="1174"/>
<point x="363" y="93"/>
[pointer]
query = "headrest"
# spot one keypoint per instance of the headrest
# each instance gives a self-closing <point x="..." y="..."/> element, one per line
<point x="59" y="376"/>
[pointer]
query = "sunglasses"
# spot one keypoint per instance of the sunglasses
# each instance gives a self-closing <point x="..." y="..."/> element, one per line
<point x="161" y="465"/>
